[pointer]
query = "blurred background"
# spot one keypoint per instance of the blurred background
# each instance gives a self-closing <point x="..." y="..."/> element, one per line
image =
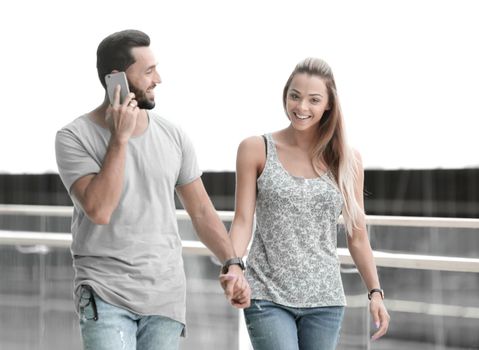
<point x="407" y="77"/>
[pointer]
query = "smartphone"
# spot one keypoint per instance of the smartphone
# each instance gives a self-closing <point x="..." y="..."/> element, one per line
<point x="114" y="79"/>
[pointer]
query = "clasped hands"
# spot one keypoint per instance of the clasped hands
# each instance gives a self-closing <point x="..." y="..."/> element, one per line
<point x="236" y="288"/>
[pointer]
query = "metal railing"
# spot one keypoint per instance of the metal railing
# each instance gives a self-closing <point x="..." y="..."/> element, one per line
<point x="384" y="259"/>
<point x="44" y="240"/>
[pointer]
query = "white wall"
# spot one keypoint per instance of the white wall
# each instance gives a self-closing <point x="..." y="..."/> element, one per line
<point x="407" y="73"/>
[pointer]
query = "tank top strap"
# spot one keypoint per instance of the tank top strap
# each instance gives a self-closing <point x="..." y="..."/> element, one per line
<point x="271" y="154"/>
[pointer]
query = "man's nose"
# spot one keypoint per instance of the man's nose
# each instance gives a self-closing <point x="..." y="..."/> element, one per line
<point x="157" y="78"/>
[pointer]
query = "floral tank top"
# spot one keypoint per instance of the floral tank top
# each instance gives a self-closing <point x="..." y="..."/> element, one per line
<point x="293" y="259"/>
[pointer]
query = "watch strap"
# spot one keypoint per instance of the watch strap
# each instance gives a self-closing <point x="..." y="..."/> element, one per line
<point x="233" y="261"/>
<point x="376" y="290"/>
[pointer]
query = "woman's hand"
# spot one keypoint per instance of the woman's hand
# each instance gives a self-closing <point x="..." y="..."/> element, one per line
<point x="379" y="315"/>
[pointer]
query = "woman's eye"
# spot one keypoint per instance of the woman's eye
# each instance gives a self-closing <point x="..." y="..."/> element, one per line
<point x="315" y="101"/>
<point x="293" y="96"/>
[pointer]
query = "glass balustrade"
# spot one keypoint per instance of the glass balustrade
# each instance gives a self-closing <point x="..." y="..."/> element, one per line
<point x="430" y="309"/>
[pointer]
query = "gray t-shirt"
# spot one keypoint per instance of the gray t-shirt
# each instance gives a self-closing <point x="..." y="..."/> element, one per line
<point x="293" y="259"/>
<point x="135" y="261"/>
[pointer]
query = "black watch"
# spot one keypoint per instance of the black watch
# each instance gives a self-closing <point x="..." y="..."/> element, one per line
<point x="376" y="290"/>
<point x="233" y="261"/>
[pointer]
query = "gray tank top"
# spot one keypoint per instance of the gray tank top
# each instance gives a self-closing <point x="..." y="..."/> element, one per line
<point x="293" y="259"/>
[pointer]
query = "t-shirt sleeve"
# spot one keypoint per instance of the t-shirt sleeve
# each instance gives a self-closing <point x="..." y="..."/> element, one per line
<point x="73" y="160"/>
<point x="189" y="170"/>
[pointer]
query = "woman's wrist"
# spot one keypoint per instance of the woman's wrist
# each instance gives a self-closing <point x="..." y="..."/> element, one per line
<point x="376" y="293"/>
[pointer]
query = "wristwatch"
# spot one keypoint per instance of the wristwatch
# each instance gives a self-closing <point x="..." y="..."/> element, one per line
<point x="376" y="290"/>
<point x="233" y="261"/>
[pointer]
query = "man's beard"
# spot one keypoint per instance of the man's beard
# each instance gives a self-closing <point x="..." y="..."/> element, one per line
<point x="140" y="97"/>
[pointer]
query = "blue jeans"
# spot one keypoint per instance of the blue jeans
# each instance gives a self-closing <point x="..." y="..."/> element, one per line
<point x="107" y="327"/>
<point x="276" y="327"/>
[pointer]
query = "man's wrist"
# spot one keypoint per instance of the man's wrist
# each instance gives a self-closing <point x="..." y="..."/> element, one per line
<point x="234" y="270"/>
<point x="118" y="141"/>
<point x="230" y="262"/>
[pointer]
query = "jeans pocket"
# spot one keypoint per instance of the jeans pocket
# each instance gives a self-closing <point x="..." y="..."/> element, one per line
<point x="256" y="311"/>
<point x="258" y="304"/>
<point x="87" y="304"/>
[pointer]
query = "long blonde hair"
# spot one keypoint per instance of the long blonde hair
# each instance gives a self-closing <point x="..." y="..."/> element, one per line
<point x="332" y="147"/>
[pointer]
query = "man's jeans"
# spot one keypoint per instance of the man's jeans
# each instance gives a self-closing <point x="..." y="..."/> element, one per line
<point x="107" y="327"/>
<point x="275" y="327"/>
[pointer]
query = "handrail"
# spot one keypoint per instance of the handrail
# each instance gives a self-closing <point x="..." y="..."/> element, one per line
<point x="64" y="240"/>
<point x="384" y="259"/>
<point x="36" y="210"/>
<point x="376" y="220"/>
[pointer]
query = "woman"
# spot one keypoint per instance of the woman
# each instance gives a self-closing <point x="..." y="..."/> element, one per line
<point x="299" y="180"/>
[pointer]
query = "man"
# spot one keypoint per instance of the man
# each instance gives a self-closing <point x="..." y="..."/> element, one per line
<point x="121" y="164"/>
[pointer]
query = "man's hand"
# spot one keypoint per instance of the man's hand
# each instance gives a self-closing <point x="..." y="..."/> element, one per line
<point x="236" y="287"/>
<point x="122" y="118"/>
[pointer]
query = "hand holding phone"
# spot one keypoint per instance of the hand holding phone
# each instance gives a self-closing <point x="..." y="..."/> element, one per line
<point x="114" y="79"/>
<point x="121" y="120"/>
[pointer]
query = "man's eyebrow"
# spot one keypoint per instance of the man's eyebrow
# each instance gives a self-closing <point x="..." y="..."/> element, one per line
<point x="152" y="66"/>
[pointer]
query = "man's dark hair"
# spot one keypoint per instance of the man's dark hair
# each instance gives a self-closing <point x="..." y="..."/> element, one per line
<point x="114" y="52"/>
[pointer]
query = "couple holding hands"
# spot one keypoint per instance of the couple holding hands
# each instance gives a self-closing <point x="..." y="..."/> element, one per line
<point x="122" y="164"/>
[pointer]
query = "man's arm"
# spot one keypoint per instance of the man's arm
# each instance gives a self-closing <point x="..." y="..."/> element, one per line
<point x="99" y="194"/>
<point x="208" y="225"/>
<point x="212" y="232"/>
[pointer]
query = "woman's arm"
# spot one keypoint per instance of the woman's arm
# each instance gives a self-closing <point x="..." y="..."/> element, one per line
<point x="250" y="162"/>
<point x="361" y="252"/>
